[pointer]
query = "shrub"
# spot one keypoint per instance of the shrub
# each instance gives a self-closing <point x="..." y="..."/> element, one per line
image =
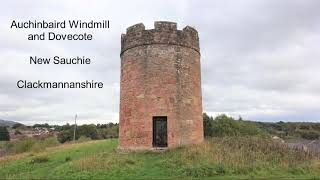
<point x="202" y="170"/>
<point x="31" y="144"/>
<point x="311" y="135"/>
<point x="40" y="159"/>
<point x="37" y="147"/>
<point x="4" y="134"/>
<point x="88" y="131"/>
<point x="220" y="169"/>
<point x="226" y="126"/>
<point x="99" y="131"/>
<point x="22" y="145"/>
<point x="84" y="139"/>
<point x="50" y="141"/>
<point x="67" y="159"/>
<point x="3" y="144"/>
<point x="207" y="125"/>
<point x="65" y="136"/>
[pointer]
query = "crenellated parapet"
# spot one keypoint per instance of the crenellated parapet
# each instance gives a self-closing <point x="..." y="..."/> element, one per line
<point x="163" y="33"/>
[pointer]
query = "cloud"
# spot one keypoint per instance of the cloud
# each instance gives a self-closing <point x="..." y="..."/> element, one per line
<point x="260" y="59"/>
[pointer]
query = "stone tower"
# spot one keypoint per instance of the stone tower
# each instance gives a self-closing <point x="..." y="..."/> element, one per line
<point x="160" y="90"/>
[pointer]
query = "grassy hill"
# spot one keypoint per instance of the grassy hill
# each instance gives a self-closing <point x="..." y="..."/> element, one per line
<point x="216" y="158"/>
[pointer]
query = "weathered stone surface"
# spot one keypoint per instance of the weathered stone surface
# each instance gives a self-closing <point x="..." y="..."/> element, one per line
<point x="160" y="76"/>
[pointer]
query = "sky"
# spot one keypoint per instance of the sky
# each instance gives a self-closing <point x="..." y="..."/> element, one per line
<point x="259" y="59"/>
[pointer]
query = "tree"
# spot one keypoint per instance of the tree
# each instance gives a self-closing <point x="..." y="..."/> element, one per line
<point x="224" y="125"/>
<point x="4" y="134"/>
<point x="64" y="136"/>
<point x="46" y="125"/>
<point x="207" y="125"/>
<point x="87" y="131"/>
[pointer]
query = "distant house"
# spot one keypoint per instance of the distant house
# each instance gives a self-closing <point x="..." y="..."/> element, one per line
<point x="38" y="132"/>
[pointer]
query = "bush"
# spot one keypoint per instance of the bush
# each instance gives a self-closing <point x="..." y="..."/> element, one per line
<point x="202" y="170"/>
<point x="108" y="131"/>
<point x="226" y="126"/>
<point x="50" y="141"/>
<point x="207" y="125"/>
<point x="4" y="134"/>
<point x="39" y="159"/>
<point x="311" y="135"/>
<point x="31" y="144"/>
<point x="99" y="131"/>
<point x="37" y="147"/>
<point x="65" y="136"/>
<point x="89" y="131"/>
<point x="83" y="139"/>
<point x="67" y="159"/>
<point x="23" y="145"/>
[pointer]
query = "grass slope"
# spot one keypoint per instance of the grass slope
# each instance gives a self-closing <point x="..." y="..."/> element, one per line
<point x="226" y="158"/>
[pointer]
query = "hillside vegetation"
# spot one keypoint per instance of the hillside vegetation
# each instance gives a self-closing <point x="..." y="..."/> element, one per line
<point x="233" y="149"/>
<point x="223" y="125"/>
<point x="227" y="157"/>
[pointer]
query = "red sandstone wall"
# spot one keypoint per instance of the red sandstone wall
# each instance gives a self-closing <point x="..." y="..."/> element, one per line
<point x="160" y="76"/>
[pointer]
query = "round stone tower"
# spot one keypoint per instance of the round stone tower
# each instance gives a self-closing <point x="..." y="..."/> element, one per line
<point x="160" y="90"/>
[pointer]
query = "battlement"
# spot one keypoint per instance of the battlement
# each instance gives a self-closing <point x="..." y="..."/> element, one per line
<point x="163" y="33"/>
<point x="165" y="26"/>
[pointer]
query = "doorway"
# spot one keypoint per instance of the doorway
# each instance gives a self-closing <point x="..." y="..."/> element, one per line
<point x="160" y="131"/>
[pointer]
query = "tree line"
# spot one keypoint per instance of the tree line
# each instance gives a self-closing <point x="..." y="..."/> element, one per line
<point x="219" y="126"/>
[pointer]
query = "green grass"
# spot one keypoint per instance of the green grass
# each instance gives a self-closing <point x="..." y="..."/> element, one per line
<point x="217" y="158"/>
